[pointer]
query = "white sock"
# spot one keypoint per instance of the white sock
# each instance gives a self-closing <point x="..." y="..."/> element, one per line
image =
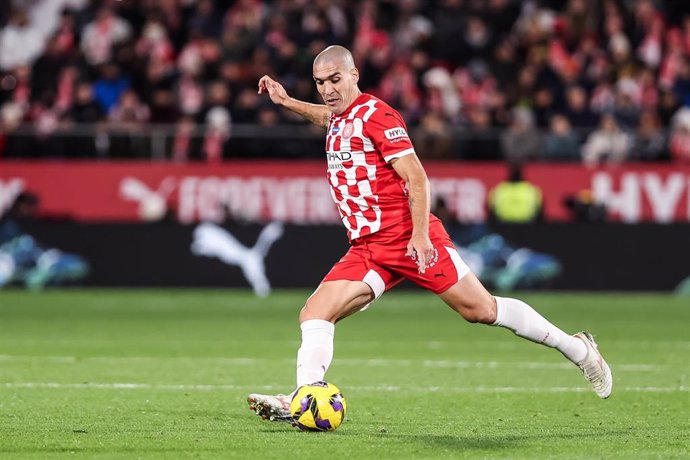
<point x="525" y="322"/>
<point x="316" y="352"/>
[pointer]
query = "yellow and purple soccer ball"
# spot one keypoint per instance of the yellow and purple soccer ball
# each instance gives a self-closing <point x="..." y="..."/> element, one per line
<point x="319" y="406"/>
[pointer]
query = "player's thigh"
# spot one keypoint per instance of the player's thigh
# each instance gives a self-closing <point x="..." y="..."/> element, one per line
<point x="335" y="300"/>
<point x="469" y="297"/>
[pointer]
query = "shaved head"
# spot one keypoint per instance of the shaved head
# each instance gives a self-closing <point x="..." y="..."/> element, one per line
<point x="335" y="54"/>
<point x="336" y="78"/>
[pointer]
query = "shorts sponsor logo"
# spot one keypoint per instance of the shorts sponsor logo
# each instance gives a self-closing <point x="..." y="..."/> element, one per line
<point x="395" y="133"/>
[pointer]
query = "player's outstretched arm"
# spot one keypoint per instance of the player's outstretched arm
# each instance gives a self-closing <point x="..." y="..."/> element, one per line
<point x="315" y="113"/>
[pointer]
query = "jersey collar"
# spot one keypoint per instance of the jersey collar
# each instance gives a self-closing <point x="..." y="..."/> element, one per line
<point x="357" y="101"/>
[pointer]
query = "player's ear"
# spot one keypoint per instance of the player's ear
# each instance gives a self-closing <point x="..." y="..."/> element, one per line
<point x="355" y="75"/>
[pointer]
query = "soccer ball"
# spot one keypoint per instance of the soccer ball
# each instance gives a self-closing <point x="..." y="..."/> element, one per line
<point x="318" y="406"/>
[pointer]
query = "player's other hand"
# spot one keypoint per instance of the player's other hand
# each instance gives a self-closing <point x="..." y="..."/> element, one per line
<point x="274" y="89"/>
<point x="421" y="250"/>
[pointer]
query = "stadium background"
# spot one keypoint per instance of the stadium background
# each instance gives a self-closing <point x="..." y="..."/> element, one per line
<point x="137" y="163"/>
<point x="119" y="114"/>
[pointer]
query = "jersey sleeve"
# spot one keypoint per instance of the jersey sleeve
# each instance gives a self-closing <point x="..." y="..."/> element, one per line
<point x="388" y="133"/>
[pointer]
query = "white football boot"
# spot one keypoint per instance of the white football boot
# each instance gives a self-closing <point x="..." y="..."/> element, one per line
<point x="275" y="408"/>
<point x="594" y="368"/>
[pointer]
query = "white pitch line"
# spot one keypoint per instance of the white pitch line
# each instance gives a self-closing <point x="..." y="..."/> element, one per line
<point x="388" y="388"/>
<point x="435" y="363"/>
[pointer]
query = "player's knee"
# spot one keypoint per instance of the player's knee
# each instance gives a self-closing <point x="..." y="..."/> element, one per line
<point x="311" y="311"/>
<point x="483" y="312"/>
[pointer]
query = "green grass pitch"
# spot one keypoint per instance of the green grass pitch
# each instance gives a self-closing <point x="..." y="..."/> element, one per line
<point x="165" y="374"/>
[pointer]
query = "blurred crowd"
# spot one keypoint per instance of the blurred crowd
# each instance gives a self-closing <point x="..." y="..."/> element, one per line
<point x="594" y="81"/>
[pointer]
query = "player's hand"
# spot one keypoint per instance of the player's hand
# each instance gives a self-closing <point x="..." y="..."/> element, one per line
<point x="421" y="250"/>
<point x="274" y="89"/>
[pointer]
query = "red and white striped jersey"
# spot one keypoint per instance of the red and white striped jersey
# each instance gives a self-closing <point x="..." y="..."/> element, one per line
<point x="360" y="143"/>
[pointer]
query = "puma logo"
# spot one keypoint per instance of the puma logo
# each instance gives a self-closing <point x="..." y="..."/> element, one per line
<point x="211" y="240"/>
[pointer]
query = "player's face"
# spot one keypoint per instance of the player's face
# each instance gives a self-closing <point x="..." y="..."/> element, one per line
<point x="336" y="84"/>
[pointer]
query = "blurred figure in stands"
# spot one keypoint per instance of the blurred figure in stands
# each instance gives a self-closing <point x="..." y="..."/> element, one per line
<point x="99" y="36"/>
<point x="218" y="122"/>
<point x="433" y="138"/>
<point x="481" y="141"/>
<point x="682" y="84"/>
<point x="129" y="112"/>
<point x="521" y="142"/>
<point x="608" y="144"/>
<point x="185" y="143"/>
<point x="20" y="42"/>
<point x="561" y="143"/>
<point x="108" y="89"/>
<point x="515" y="200"/>
<point x="650" y="140"/>
<point x="577" y="111"/>
<point x="679" y="145"/>
<point x="127" y="123"/>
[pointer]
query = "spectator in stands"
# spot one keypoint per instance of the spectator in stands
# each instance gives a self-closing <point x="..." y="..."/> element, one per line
<point x="185" y="143"/>
<point x="129" y="112"/>
<point x="109" y="88"/>
<point x="442" y="94"/>
<point x="85" y="109"/>
<point x="561" y="143"/>
<point x="627" y="105"/>
<point x="480" y="141"/>
<point x="218" y="127"/>
<point x="682" y="84"/>
<point x="679" y="145"/>
<point x="217" y="134"/>
<point x="543" y="106"/>
<point x="206" y="19"/>
<point x="20" y="41"/>
<point x="580" y="58"/>
<point x="16" y="87"/>
<point x="650" y="141"/>
<point x="608" y="144"/>
<point x="46" y="68"/>
<point x="515" y="200"/>
<point x="521" y="141"/>
<point x="99" y="36"/>
<point x="163" y="109"/>
<point x="433" y="138"/>
<point x="577" y="109"/>
<point x="504" y="65"/>
<point x="668" y="106"/>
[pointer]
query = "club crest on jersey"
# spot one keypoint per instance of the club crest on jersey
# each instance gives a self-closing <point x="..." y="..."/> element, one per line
<point x="348" y="130"/>
<point x="395" y="133"/>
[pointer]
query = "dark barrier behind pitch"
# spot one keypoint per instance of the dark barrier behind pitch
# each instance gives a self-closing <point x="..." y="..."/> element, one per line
<point x="593" y="257"/>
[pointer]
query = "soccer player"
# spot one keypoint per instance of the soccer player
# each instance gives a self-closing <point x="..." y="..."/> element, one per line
<point x="382" y="193"/>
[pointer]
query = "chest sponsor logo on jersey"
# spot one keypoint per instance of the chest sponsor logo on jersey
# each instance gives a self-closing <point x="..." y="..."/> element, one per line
<point x="335" y="159"/>
<point x="348" y="130"/>
<point x="395" y="134"/>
